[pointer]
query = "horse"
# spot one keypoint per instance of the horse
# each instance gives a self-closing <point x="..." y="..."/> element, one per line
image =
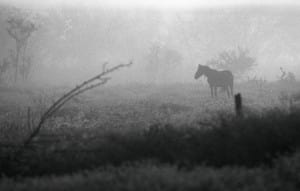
<point x="215" y="79"/>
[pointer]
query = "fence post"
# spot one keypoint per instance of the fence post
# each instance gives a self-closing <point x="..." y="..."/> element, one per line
<point x="29" y="118"/>
<point x="238" y="105"/>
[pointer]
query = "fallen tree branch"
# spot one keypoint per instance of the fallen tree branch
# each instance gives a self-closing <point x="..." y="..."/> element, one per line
<point x="86" y="85"/>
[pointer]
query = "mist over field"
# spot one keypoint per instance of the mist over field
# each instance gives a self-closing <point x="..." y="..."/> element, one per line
<point x="149" y="95"/>
<point x="72" y="42"/>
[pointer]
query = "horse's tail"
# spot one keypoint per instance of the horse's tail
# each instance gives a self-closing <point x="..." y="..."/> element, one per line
<point x="231" y="82"/>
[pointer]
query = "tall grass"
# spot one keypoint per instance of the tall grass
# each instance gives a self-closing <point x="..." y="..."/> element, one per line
<point x="251" y="141"/>
<point x="283" y="176"/>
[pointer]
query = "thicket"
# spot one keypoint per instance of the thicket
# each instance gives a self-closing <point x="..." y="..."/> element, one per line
<point x="250" y="141"/>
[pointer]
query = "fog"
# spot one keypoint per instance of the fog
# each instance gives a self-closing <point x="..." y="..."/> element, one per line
<point x="74" y="39"/>
<point x="128" y="94"/>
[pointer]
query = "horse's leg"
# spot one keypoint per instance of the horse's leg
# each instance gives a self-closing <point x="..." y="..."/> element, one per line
<point x="215" y="90"/>
<point x="211" y="91"/>
<point x="227" y="90"/>
<point x="231" y="90"/>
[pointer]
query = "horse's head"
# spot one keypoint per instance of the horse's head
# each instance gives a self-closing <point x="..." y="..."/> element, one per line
<point x="200" y="71"/>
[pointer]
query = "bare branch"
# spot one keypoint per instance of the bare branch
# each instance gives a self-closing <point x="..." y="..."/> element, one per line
<point x="104" y="67"/>
<point x="78" y="87"/>
<point x="72" y="93"/>
<point x="104" y="81"/>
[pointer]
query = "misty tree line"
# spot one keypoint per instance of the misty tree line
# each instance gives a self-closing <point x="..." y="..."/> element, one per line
<point x="63" y="36"/>
<point x="238" y="61"/>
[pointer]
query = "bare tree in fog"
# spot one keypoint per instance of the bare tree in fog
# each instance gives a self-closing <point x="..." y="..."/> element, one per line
<point x="4" y="66"/>
<point x="20" y="29"/>
<point x="161" y="61"/>
<point x="287" y="76"/>
<point x="238" y="61"/>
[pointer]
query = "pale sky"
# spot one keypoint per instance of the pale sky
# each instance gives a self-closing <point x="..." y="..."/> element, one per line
<point x="166" y="4"/>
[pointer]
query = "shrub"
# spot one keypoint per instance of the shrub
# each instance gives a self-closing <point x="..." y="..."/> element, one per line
<point x="251" y="141"/>
<point x="148" y="176"/>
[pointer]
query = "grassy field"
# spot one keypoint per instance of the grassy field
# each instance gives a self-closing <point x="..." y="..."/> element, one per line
<point x="152" y="137"/>
<point x="283" y="176"/>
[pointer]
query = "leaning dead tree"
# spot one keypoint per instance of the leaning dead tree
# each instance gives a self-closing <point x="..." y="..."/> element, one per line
<point x="91" y="83"/>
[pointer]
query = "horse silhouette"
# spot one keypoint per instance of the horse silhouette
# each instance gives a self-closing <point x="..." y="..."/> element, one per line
<point x="215" y="79"/>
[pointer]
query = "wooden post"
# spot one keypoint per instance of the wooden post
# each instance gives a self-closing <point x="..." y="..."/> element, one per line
<point x="238" y="105"/>
<point x="29" y="118"/>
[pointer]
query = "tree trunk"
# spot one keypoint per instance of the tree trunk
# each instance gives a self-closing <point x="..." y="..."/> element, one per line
<point x="18" y="43"/>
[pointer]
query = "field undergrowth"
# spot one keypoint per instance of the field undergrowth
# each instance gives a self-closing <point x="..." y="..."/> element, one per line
<point x="172" y="137"/>
<point x="283" y="176"/>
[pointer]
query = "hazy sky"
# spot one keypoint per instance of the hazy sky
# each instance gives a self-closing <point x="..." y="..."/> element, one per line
<point x="176" y="4"/>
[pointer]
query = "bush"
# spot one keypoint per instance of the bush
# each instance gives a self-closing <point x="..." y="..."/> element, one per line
<point x="251" y="141"/>
<point x="146" y="176"/>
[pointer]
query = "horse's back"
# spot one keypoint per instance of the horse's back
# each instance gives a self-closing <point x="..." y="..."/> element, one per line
<point x="228" y="75"/>
<point x="221" y="78"/>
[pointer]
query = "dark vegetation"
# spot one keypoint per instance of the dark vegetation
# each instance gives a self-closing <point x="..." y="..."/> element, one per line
<point x="158" y="130"/>
<point x="158" y="138"/>
<point x="283" y="176"/>
<point x="251" y="141"/>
